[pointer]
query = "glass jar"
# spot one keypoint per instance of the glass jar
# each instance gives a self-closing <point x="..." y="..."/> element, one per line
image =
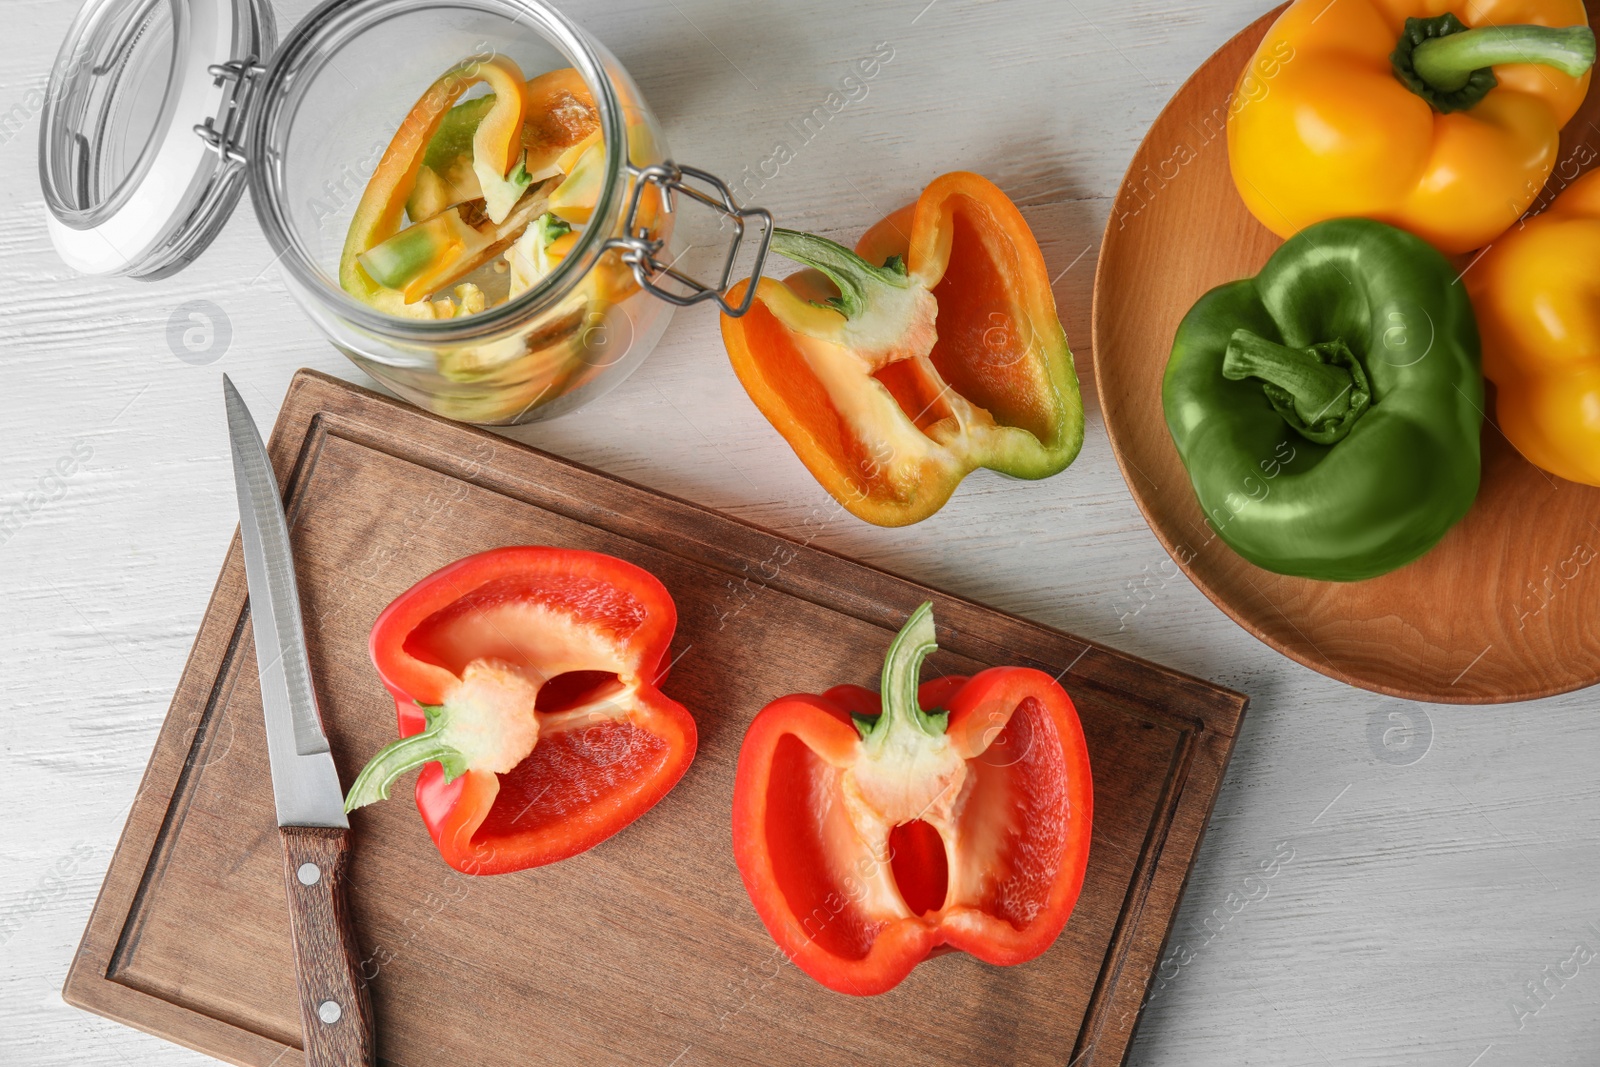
<point x="159" y="111"/>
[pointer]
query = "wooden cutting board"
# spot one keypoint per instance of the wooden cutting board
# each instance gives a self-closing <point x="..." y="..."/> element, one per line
<point x="644" y="949"/>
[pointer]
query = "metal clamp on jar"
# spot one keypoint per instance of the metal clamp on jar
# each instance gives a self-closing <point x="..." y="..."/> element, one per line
<point x="158" y="111"/>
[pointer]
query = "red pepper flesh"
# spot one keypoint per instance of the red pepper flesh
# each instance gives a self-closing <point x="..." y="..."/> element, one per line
<point x="571" y="645"/>
<point x="957" y="819"/>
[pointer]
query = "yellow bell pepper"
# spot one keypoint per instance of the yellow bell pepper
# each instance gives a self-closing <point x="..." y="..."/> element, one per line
<point x="1400" y="111"/>
<point x="1537" y="296"/>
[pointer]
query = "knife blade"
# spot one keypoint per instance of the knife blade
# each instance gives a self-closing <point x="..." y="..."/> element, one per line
<point x="335" y="1014"/>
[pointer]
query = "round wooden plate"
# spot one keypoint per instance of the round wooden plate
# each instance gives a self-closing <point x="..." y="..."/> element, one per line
<point x="1503" y="609"/>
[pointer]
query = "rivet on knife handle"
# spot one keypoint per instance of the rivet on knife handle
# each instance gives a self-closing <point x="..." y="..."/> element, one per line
<point x="335" y="1012"/>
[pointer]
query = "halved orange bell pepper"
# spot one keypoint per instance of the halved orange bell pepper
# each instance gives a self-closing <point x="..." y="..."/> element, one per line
<point x="874" y="830"/>
<point x="1537" y="296"/>
<point x="935" y="350"/>
<point x="525" y="682"/>
<point x="1399" y="111"/>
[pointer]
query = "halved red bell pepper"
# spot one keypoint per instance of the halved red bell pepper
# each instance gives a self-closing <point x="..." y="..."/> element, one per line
<point x="525" y="682"/>
<point x="876" y="829"/>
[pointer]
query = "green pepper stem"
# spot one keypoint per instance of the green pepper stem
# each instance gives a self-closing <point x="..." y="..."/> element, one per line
<point x="398" y="757"/>
<point x="1320" y="390"/>
<point x="1448" y="62"/>
<point x="1452" y="67"/>
<point x="853" y="275"/>
<point x="902" y="675"/>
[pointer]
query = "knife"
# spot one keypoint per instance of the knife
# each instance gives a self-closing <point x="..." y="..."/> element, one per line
<point x="335" y="1014"/>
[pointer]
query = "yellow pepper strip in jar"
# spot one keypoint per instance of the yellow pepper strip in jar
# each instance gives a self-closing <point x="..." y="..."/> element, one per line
<point x="584" y="168"/>
<point x="1537" y="295"/>
<point x="377" y="217"/>
<point x="540" y="249"/>
<point x="1399" y="111"/>
<point x="584" y="165"/>
<point x="497" y="142"/>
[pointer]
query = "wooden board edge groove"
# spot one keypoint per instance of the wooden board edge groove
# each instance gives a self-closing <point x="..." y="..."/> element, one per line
<point x="1181" y="890"/>
<point x="182" y="794"/>
<point x="1107" y="985"/>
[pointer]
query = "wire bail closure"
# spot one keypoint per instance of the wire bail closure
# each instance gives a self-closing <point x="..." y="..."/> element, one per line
<point x="640" y="250"/>
<point x="225" y="139"/>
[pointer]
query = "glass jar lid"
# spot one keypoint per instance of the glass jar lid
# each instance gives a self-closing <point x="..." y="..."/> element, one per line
<point x="137" y="143"/>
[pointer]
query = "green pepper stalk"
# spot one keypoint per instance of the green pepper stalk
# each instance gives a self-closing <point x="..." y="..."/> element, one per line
<point x="1320" y="390"/>
<point x="907" y="768"/>
<point x="487" y="722"/>
<point x="859" y="282"/>
<point x="1450" y="66"/>
<point x="407" y="754"/>
<point x="903" y="719"/>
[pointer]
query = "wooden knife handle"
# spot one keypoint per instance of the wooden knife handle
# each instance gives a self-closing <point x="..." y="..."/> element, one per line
<point x="335" y="1012"/>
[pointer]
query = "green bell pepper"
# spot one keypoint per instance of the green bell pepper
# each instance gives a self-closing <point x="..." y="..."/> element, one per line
<point x="1328" y="410"/>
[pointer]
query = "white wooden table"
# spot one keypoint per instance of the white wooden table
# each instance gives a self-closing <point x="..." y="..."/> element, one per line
<point x="1382" y="882"/>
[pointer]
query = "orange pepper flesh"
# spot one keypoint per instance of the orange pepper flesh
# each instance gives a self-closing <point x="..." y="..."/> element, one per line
<point x="1320" y="127"/>
<point x="993" y="386"/>
<point x="1537" y="296"/>
<point x="558" y="112"/>
<point x="498" y="139"/>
